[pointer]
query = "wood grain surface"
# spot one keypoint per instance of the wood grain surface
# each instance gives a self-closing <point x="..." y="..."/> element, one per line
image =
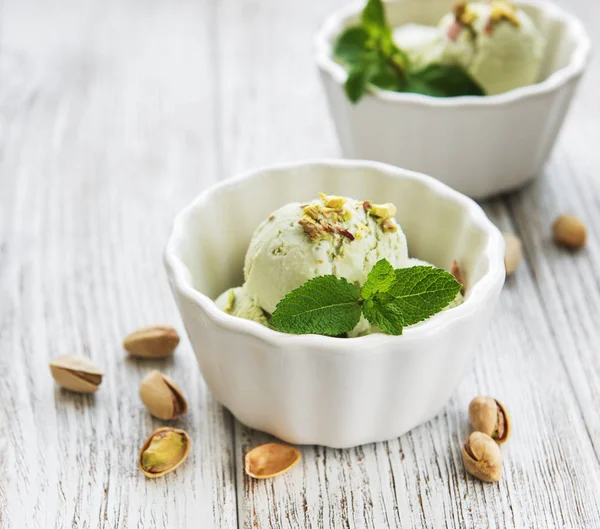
<point x="113" y="115"/>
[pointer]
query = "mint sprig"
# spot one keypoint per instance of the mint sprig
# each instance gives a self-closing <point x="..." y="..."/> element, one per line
<point x="372" y="58"/>
<point x="324" y="305"/>
<point x="390" y="299"/>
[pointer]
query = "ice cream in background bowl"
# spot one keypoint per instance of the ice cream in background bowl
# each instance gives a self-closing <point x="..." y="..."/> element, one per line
<point x="312" y="389"/>
<point x="479" y="145"/>
<point x="495" y="42"/>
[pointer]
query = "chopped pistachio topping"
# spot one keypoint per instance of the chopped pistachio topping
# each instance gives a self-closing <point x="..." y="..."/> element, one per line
<point x="312" y="211"/>
<point x="383" y="211"/>
<point x="230" y="301"/>
<point x="314" y="230"/>
<point x="504" y="10"/>
<point x="332" y="201"/>
<point x="464" y="15"/>
<point x="389" y="225"/>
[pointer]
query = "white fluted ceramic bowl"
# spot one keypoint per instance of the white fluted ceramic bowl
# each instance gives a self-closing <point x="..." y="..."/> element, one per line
<point x="480" y="146"/>
<point x="312" y="389"/>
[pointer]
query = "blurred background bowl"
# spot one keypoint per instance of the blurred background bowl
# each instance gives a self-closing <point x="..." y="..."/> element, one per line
<point x="480" y="146"/>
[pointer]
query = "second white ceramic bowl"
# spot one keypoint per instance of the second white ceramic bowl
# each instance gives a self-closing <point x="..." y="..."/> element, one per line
<point x="480" y="146"/>
<point x="315" y="389"/>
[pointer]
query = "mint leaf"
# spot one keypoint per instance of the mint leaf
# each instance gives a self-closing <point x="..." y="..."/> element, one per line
<point x="422" y="291"/>
<point x="373" y="17"/>
<point x="324" y="305"/>
<point x="381" y="311"/>
<point x="359" y="77"/>
<point x="352" y="45"/>
<point x="380" y="279"/>
<point x="441" y="80"/>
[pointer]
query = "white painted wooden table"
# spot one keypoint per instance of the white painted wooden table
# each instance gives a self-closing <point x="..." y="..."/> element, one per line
<point x="113" y="114"/>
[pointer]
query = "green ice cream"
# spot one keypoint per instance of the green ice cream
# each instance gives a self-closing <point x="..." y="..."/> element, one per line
<point x="237" y="302"/>
<point x="300" y="241"/>
<point x="332" y="235"/>
<point x="496" y="43"/>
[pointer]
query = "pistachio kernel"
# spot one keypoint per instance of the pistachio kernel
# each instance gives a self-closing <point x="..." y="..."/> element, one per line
<point x="489" y="416"/>
<point x="457" y="273"/>
<point x="504" y="10"/>
<point x="164" y="451"/>
<point x="76" y="373"/>
<point x="383" y="211"/>
<point x="389" y="225"/>
<point x="332" y="201"/>
<point x="314" y="231"/>
<point x="482" y="457"/>
<point x="312" y="211"/>
<point x="230" y="302"/>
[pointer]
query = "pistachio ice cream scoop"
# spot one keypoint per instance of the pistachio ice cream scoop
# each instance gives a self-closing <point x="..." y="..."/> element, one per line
<point x="300" y="241"/>
<point x="496" y="43"/>
<point x="332" y="235"/>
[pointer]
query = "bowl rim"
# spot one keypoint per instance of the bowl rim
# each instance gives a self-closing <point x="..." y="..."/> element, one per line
<point x="479" y="294"/>
<point x="575" y="68"/>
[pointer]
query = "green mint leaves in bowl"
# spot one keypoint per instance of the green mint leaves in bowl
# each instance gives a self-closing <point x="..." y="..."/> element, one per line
<point x="390" y="299"/>
<point x="371" y="57"/>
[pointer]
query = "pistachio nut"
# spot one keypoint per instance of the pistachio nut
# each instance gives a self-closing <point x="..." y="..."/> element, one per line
<point x="482" y="457"/>
<point x="383" y="211"/>
<point x="332" y="201"/>
<point x="270" y="460"/>
<point x="513" y="253"/>
<point x="490" y="417"/>
<point x="157" y="341"/>
<point x="457" y="273"/>
<point x="76" y="373"/>
<point x="569" y="231"/>
<point x="164" y="451"/>
<point x="162" y="396"/>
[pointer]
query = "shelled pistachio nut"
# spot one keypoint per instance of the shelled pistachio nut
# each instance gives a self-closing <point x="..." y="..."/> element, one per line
<point x="76" y="373"/>
<point x="513" y="253"/>
<point x="569" y="231"/>
<point x="164" y="451"/>
<point x="270" y="460"/>
<point x="157" y="341"/>
<point x="482" y="457"/>
<point x="162" y="396"/>
<point x="490" y="417"/>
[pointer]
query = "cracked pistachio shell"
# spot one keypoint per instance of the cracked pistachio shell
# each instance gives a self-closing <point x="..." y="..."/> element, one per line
<point x="76" y="373"/>
<point x="270" y="460"/>
<point x="157" y="341"/>
<point x="489" y="416"/>
<point x="162" y="396"/>
<point x="164" y="451"/>
<point x="482" y="457"/>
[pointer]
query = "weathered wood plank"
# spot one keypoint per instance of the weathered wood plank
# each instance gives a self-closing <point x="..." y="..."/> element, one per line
<point x="551" y="471"/>
<point x="107" y="132"/>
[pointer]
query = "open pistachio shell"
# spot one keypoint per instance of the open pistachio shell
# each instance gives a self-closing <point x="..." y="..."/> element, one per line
<point x="482" y="457"/>
<point x="76" y="373"/>
<point x="270" y="460"/>
<point x="162" y="396"/>
<point x="489" y="416"/>
<point x="164" y="451"/>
